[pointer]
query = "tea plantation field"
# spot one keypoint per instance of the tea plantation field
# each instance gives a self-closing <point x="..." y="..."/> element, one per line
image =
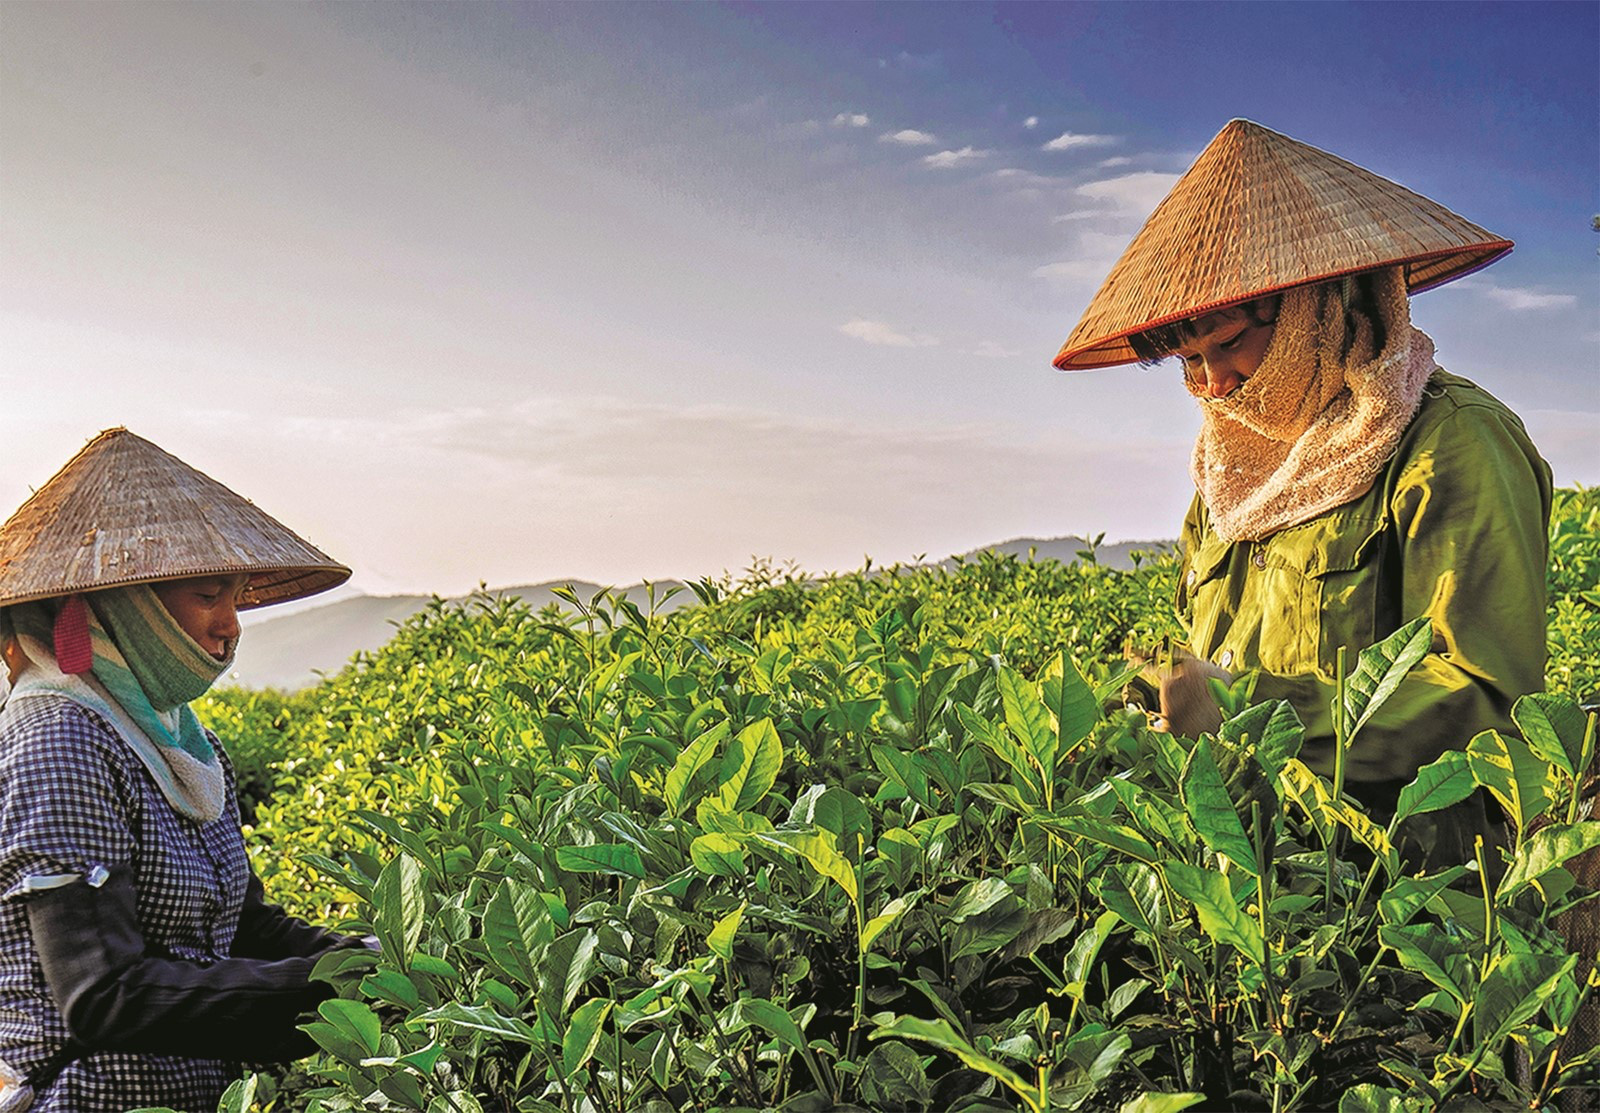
<point x="891" y="841"/>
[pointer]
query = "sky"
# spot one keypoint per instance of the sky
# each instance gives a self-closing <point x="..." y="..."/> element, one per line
<point x="502" y="293"/>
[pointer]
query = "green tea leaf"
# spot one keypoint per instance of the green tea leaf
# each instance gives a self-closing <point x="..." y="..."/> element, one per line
<point x="1133" y="891"/>
<point x="355" y="1019"/>
<point x="1212" y="810"/>
<point x="1028" y="720"/>
<point x="1508" y="769"/>
<point x="1380" y="669"/>
<point x="1071" y="700"/>
<point x="1220" y="914"/>
<point x="1407" y="896"/>
<point x="1085" y="949"/>
<point x="977" y="897"/>
<point x="817" y="848"/>
<point x="894" y="1077"/>
<point x="617" y="859"/>
<point x="941" y="1035"/>
<point x="583" y="1033"/>
<point x="1546" y="849"/>
<point x="834" y="809"/>
<point x="689" y="762"/>
<point x="1434" y="955"/>
<point x="516" y="924"/>
<point x="398" y="901"/>
<point x="1161" y="1103"/>
<point x="772" y="1018"/>
<point x="1025" y="775"/>
<point x="1553" y="727"/>
<point x="1442" y="784"/>
<point x="884" y="920"/>
<point x="481" y="1018"/>
<point x="1120" y="838"/>
<point x="1515" y="991"/>
<point x="720" y="940"/>
<point x="1272" y="728"/>
<point x="565" y="966"/>
<point x="750" y="766"/>
<point x="1370" y="1098"/>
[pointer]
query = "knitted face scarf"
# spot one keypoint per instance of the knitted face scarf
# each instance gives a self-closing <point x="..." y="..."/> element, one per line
<point x="1317" y="422"/>
<point x="120" y="653"/>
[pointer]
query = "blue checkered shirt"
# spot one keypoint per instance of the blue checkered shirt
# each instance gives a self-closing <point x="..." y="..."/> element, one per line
<point x="73" y="796"/>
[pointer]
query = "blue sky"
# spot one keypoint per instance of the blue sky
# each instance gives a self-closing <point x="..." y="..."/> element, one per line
<point x="500" y="292"/>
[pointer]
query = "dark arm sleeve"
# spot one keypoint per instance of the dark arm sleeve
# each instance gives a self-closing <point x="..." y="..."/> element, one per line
<point x="116" y="997"/>
<point x="266" y="931"/>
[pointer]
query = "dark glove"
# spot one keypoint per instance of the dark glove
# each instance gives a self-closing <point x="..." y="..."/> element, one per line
<point x="267" y="931"/>
<point x="116" y="996"/>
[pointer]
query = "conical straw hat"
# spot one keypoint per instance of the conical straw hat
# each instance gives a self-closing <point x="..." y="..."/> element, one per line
<point x="1259" y="212"/>
<point x="122" y="511"/>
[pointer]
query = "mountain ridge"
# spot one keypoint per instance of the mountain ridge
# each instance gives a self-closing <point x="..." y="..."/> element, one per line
<point x="294" y="650"/>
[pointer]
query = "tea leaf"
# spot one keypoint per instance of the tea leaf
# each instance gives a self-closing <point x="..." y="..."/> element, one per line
<point x="1508" y="769"/>
<point x="884" y="920"/>
<point x="750" y="766"/>
<point x="583" y="1033"/>
<point x="1212" y="809"/>
<point x="941" y="1035"/>
<point x="1380" y="669"/>
<point x="355" y="1020"/>
<point x="397" y="898"/>
<point x="893" y="1077"/>
<point x="1546" y="849"/>
<point x="689" y="762"/>
<point x="1437" y="957"/>
<point x="516" y="924"/>
<point x="482" y="1019"/>
<point x="720" y="939"/>
<point x="1441" y="784"/>
<point x="1553" y="728"/>
<point x="817" y="848"/>
<point x="1514" y="991"/>
<point x="1161" y="1103"/>
<point x="1220" y="914"/>
<point x="1133" y="891"/>
<point x="1370" y="1098"/>
<point x="617" y="859"/>
<point x="773" y="1018"/>
<point x="1071" y="700"/>
<point x="1273" y="728"/>
<point x="1028" y="721"/>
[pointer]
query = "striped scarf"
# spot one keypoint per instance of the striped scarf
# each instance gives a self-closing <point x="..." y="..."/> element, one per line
<point x="144" y="672"/>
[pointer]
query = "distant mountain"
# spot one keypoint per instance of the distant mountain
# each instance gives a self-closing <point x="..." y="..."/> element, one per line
<point x="292" y="649"/>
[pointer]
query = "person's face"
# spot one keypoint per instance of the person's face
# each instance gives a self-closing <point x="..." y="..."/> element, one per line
<point x="1227" y="348"/>
<point x="207" y="607"/>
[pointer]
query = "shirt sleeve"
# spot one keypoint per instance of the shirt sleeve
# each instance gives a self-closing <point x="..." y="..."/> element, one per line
<point x="1470" y="507"/>
<point x="65" y="808"/>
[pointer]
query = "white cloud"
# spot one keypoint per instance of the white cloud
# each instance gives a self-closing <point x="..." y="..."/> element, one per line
<point x="1093" y="259"/>
<point x="1031" y="122"/>
<point x="945" y="160"/>
<point x="1108" y="163"/>
<point x="1068" y="141"/>
<point x="1138" y="193"/>
<point x="908" y="137"/>
<point x="851" y="120"/>
<point x="1520" y="298"/>
<point x="991" y="349"/>
<point x="1028" y="179"/>
<point x="876" y="332"/>
<point x="1080" y="214"/>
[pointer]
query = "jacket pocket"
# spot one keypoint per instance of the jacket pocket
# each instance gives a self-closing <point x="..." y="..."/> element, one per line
<point x="1326" y="574"/>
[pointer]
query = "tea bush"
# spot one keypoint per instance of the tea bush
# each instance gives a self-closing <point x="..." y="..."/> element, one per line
<point x="889" y="841"/>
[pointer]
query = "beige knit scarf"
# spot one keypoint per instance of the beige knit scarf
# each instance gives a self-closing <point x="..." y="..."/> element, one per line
<point x="1317" y="422"/>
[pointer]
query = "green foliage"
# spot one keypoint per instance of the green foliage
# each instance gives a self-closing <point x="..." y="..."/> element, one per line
<point x="880" y="841"/>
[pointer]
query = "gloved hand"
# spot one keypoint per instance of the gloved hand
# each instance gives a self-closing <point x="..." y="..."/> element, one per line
<point x="1178" y="680"/>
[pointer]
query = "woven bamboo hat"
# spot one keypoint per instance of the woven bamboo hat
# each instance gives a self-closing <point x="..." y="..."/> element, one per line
<point x="122" y="511"/>
<point x="1259" y="212"/>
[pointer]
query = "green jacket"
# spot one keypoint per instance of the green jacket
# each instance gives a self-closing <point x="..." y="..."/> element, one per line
<point x="1456" y="527"/>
